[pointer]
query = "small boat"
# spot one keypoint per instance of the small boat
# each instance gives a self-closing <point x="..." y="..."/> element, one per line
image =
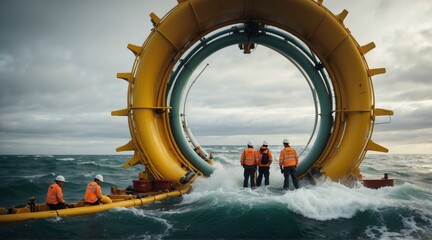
<point x="143" y="192"/>
<point x="378" y="183"/>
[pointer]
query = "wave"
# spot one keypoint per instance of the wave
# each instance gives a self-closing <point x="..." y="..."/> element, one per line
<point x="66" y="159"/>
<point x="152" y="217"/>
<point x="43" y="156"/>
<point x="88" y="163"/>
<point x="325" y="201"/>
<point x="37" y="176"/>
<point x="409" y="230"/>
<point x="219" y="206"/>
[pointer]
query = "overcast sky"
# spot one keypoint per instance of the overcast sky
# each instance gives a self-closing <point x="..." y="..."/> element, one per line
<point x="59" y="60"/>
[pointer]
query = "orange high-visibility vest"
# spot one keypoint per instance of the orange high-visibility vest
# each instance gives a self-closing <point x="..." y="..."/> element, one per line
<point x="259" y="154"/>
<point x="288" y="157"/>
<point x="54" y="194"/>
<point x="93" y="193"/>
<point x="249" y="157"/>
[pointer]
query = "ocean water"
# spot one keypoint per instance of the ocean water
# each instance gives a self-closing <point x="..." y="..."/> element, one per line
<point x="220" y="208"/>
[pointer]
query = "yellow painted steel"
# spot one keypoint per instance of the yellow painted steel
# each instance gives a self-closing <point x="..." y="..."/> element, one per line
<point x="308" y="20"/>
<point x="189" y="21"/>
<point x="93" y="209"/>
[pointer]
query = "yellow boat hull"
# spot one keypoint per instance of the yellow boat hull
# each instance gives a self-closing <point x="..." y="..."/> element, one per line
<point x="42" y="210"/>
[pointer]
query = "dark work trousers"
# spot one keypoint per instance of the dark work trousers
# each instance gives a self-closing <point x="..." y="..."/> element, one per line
<point x="291" y="170"/>
<point x="263" y="171"/>
<point x="56" y="206"/>
<point x="249" y="173"/>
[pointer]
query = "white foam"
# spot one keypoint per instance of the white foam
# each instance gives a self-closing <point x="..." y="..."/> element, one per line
<point x="409" y="229"/>
<point x="43" y="155"/>
<point x="34" y="176"/>
<point x="54" y="219"/>
<point x="324" y="201"/>
<point x="66" y="159"/>
<point x="154" y="215"/>
<point x="330" y="200"/>
<point x="410" y="226"/>
<point x="89" y="162"/>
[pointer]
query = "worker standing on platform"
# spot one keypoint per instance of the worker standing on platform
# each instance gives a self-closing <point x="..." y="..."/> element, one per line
<point x="288" y="161"/>
<point x="249" y="161"/>
<point x="265" y="158"/>
<point x="93" y="194"/>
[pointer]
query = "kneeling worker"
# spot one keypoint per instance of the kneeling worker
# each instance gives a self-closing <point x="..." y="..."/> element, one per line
<point x="54" y="197"/>
<point x="93" y="194"/>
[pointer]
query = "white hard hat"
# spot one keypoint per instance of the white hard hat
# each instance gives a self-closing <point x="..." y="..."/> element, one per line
<point x="286" y="141"/>
<point x="60" y="178"/>
<point x="265" y="143"/>
<point x="250" y="143"/>
<point x="99" y="177"/>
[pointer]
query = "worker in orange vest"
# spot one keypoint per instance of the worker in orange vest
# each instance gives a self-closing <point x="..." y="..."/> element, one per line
<point x="288" y="161"/>
<point x="265" y="158"/>
<point x="93" y="194"/>
<point x="249" y="161"/>
<point x="54" y="197"/>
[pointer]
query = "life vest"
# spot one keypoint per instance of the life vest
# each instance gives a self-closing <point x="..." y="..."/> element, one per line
<point x="54" y="194"/>
<point x="288" y="157"/>
<point x="259" y="154"/>
<point x="93" y="193"/>
<point x="249" y="157"/>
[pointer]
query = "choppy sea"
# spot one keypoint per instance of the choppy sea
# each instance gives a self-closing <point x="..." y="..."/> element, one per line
<point x="220" y="208"/>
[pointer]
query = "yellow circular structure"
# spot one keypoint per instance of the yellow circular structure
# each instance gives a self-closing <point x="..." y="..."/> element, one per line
<point x="188" y="22"/>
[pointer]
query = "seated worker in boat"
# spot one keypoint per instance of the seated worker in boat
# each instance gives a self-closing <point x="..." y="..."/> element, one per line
<point x="93" y="194"/>
<point x="249" y="161"/>
<point x="54" y="197"/>
<point x="265" y="159"/>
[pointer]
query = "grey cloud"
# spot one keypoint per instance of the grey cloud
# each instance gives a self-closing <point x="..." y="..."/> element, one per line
<point x="71" y="125"/>
<point x="408" y="73"/>
<point x="261" y="79"/>
<point x="58" y="61"/>
<point x="411" y="117"/>
<point x="251" y="120"/>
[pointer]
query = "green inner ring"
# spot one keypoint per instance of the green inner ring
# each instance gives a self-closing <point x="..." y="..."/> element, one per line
<point x="289" y="48"/>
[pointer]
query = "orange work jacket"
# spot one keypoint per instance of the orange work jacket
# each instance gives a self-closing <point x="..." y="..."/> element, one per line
<point x="288" y="157"/>
<point x="249" y="157"/>
<point x="93" y="193"/>
<point x="259" y="153"/>
<point x="54" y="194"/>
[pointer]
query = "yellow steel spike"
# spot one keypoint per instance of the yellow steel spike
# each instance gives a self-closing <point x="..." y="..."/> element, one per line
<point x="122" y="112"/>
<point x="132" y="162"/>
<point x="376" y="71"/>
<point x="155" y="19"/>
<point x="376" y="147"/>
<point x="135" y="49"/>
<point x="126" y="76"/>
<point x="382" y="112"/>
<point x="366" y="48"/>
<point x="319" y="2"/>
<point x="341" y="16"/>
<point x="127" y="147"/>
